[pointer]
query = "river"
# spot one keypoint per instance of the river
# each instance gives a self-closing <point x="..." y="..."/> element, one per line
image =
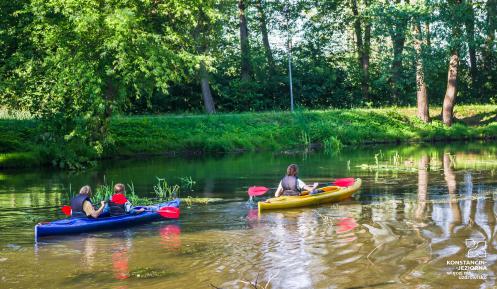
<point x="424" y="218"/>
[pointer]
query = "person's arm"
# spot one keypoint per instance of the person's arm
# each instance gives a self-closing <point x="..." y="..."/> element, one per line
<point x="89" y="211"/>
<point x="304" y="187"/>
<point x="279" y="190"/>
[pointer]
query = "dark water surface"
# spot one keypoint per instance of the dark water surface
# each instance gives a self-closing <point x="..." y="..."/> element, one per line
<point x="425" y="218"/>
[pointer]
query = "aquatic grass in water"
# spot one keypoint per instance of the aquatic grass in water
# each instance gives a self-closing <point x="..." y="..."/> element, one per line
<point x="187" y="182"/>
<point x="201" y="201"/>
<point x="164" y="191"/>
<point x="396" y="163"/>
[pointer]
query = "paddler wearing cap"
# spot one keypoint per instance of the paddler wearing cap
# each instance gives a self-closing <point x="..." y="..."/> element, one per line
<point x="118" y="204"/>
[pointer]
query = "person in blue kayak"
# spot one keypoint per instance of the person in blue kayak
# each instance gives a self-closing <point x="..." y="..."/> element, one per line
<point x="119" y="205"/>
<point x="81" y="206"/>
<point x="291" y="185"/>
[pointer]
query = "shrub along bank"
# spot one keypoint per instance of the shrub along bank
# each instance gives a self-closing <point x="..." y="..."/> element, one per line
<point x="21" y="141"/>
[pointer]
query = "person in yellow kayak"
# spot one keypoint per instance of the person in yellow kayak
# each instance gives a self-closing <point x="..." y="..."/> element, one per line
<point x="81" y="206"/>
<point x="291" y="185"/>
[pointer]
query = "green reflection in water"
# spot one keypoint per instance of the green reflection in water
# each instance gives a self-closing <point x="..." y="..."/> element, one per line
<point x="399" y="231"/>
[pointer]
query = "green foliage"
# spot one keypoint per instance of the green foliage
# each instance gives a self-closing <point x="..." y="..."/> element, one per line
<point x="67" y="67"/>
<point x="332" y="145"/>
<point x="164" y="191"/>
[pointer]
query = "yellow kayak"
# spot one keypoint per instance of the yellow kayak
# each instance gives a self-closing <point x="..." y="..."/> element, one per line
<point x="330" y="194"/>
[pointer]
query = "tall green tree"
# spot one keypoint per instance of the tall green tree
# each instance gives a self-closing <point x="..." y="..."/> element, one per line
<point x="363" y="44"/>
<point x="246" y="68"/>
<point x="453" y="71"/>
<point x="265" y="36"/>
<point x="89" y="58"/>
<point x="470" y="35"/>
<point x="398" y="36"/>
<point x="423" y="112"/>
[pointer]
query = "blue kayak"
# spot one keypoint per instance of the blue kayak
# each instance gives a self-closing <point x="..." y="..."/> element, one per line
<point x="82" y="225"/>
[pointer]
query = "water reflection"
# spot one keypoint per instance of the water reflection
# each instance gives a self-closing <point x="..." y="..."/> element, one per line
<point x="171" y="237"/>
<point x="120" y="256"/>
<point x="414" y="214"/>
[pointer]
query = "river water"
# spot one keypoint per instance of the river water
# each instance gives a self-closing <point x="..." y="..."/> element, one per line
<point x="424" y="218"/>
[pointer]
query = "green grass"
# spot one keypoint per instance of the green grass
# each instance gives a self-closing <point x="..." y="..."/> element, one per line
<point x="20" y="159"/>
<point x="269" y="131"/>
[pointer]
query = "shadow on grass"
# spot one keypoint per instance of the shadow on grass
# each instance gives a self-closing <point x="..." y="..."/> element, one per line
<point x="480" y="119"/>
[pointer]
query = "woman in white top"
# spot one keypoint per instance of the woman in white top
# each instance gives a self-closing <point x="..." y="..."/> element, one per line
<point x="291" y="185"/>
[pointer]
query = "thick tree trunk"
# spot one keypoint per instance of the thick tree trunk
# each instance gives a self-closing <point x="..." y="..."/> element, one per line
<point x="363" y="48"/>
<point x="201" y="29"/>
<point x="451" y="92"/>
<point x="470" y="31"/>
<point x="246" y="68"/>
<point x="206" y="90"/>
<point x="265" y="37"/>
<point x="398" y="40"/>
<point x="421" y="95"/>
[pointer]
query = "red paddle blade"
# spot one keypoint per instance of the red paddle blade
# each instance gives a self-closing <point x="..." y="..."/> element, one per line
<point x="257" y="191"/>
<point x="345" y="182"/>
<point x="66" y="210"/>
<point x="169" y="212"/>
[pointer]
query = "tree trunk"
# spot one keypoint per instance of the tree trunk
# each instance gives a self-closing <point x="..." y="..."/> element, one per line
<point x="470" y="31"/>
<point x="265" y="38"/>
<point x="363" y="48"/>
<point x="367" y="51"/>
<point x="489" y="53"/>
<point x="206" y="90"/>
<point x="451" y="92"/>
<point x="398" y="40"/>
<point x="246" y="69"/>
<point x="201" y="29"/>
<point x="428" y="34"/>
<point x="421" y="95"/>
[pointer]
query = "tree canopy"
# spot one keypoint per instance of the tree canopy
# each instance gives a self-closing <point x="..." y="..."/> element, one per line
<point x="75" y="63"/>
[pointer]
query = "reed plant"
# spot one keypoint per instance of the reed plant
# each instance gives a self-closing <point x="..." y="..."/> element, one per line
<point x="164" y="191"/>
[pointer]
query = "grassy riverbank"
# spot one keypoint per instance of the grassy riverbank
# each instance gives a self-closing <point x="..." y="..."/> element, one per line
<point x="21" y="139"/>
